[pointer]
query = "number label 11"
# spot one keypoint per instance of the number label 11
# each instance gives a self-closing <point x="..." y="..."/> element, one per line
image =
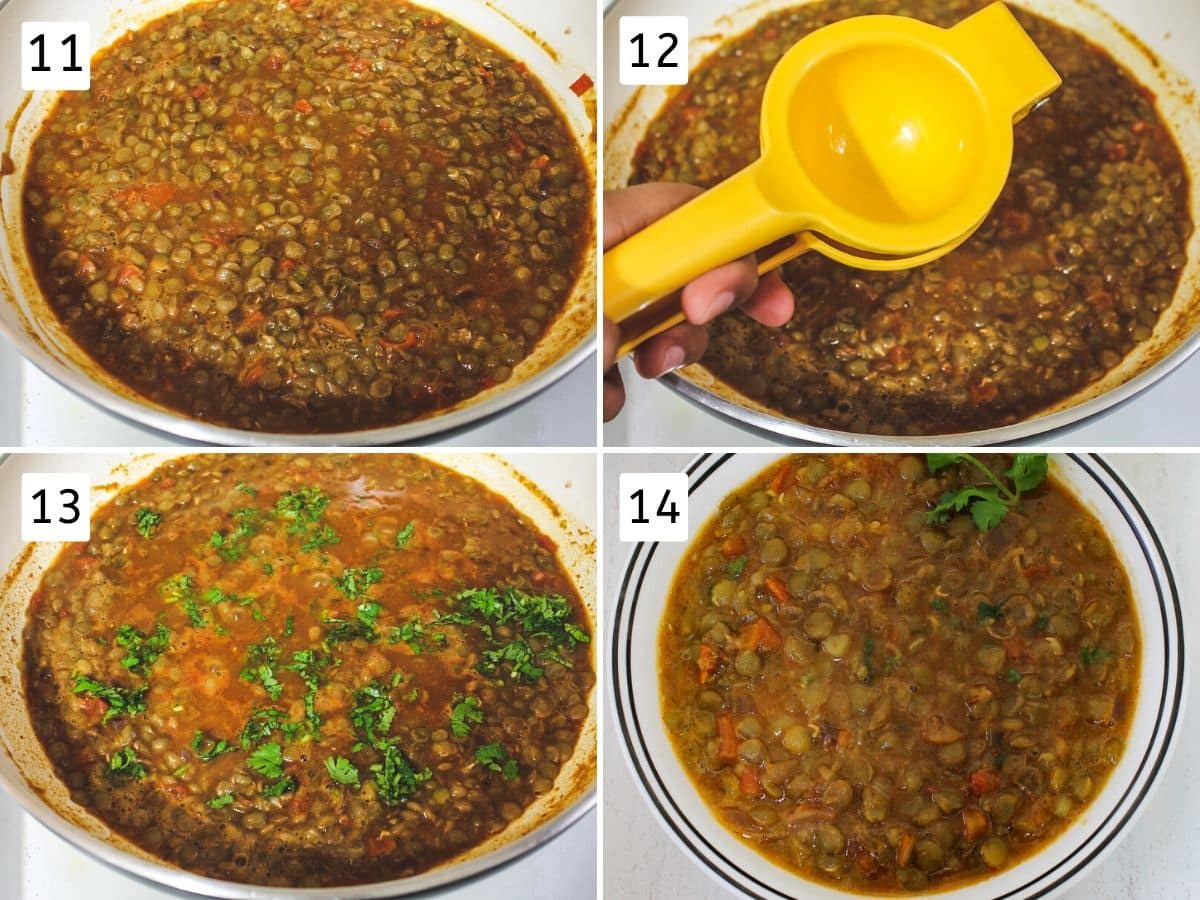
<point x="56" y="56"/>
<point x="654" y="50"/>
<point x="56" y="506"/>
<point x="653" y="506"/>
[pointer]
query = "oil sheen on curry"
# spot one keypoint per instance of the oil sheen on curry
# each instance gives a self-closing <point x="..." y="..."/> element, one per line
<point x="886" y="703"/>
<point x="307" y="216"/>
<point x="1070" y="271"/>
<point x="308" y="670"/>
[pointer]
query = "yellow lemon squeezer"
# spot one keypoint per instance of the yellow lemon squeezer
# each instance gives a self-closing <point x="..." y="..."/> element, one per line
<point x="885" y="142"/>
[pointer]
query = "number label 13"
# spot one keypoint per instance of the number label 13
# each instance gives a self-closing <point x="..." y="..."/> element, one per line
<point x="653" y="506"/>
<point x="56" y="506"/>
<point x="654" y="49"/>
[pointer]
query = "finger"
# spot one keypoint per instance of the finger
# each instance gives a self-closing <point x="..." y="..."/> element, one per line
<point x="614" y="394"/>
<point x="631" y="209"/>
<point x="772" y="302"/>
<point x="673" y="348"/>
<point x="612" y="340"/>
<point x="719" y="290"/>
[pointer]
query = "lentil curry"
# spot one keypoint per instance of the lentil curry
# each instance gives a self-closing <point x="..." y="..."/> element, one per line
<point x="1070" y="271"/>
<point x="309" y="215"/>
<point x="881" y="702"/>
<point x="307" y="670"/>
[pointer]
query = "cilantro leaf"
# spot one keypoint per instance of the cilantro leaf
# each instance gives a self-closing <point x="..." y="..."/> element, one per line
<point x="373" y="712"/>
<point x="125" y="764"/>
<point x="935" y="462"/>
<point x="1028" y="470"/>
<point x="395" y="778"/>
<point x="142" y="650"/>
<point x="261" y="659"/>
<point x="121" y="701"/>
<point x="181" y="589"/>
<point x="1091" y="655"/>
<point x="405" y="535"/>
<point x="988" y="512"/>
<point x="355" y="583"/>
<point x="221" y="801"/>
<point x="520" y="657"/>
<point x="146" y="521"/>
<point x="265" y="722"/>
<point x="735" y="567"/>
<point x="267" y="760"/>
<point x="342" y="770"/>
<point x="465" y="713"/>
<point x="496" y="758"/>
<point x="208" y="748"/>
<point x="989" y="612"/>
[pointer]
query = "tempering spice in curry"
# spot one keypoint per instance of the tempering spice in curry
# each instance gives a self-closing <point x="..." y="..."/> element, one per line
<point x="1070" y="271"/>
<point x="889" y="703"/>
<point x="307" y="216"/>
<point x="308" y="670"/>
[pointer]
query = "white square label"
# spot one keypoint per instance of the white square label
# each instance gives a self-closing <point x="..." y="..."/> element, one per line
<point x="56" y="506"/>
<point x="56" y="56"/>
<point x="654" y="49"/>
<point x="653" y="506"/>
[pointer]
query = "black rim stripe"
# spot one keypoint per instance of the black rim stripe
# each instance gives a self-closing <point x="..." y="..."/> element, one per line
<point x="1114" y="824"/>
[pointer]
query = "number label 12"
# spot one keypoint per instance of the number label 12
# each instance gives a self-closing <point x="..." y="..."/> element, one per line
<point x="653" y="506"/>
<point x="653" y="50"/>
<point x="56" y="506"/>
<point x="56" y="56"/>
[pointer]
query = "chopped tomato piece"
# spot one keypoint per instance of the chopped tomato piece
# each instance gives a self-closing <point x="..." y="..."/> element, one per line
<point x="734" y="545"/>
<point x="581" y="85"/>
<point x="983" y="781"/>
<point x="1117" y="152"/>
<point x="253" y="372"/>
<point x="93" y="708"/>
<point x="304" y="106"/>
<point x="287" y="266"/>
<point x="1014" y="647"/>
<point x="360" y="64"/>
<point x="127" y="273"/>
<point x="201" y="90"/>
<point x="515" y="141"/>
<point x="1036" y="570"/>
<point x="541" y="162"/>
<point x="380" y="845"/>
<point x="333" y="323"/>
<point x="984" y="392"/>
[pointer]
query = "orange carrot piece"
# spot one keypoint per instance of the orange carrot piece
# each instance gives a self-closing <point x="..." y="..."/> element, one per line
<point x="749" y="783"/>
<point x="253" y="371"/>
<point x="782" y="479"/>
<point x="707" y="663"/>
<point x="778" y="589"/>
<point x="726" y="738"/>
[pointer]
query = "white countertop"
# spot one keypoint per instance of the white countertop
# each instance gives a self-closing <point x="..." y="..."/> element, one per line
<point x="655" y="416"/>
<point x="35" y="411"/>
<point x="1155" y="860"/>
<point x="36" y="864"/>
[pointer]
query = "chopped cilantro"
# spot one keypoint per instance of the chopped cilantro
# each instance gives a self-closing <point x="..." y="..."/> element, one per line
<point x="373" y="712"/>
<point x="221" y="801"/>
<point x="233" y="546"/>
<point x="496" y="758"/>
<point x="261" y="659"/>
<point x="181" y="589"/>
<point x="121" y="701"/>
<point x="735" y="567"/>
<point x="988" y="505"/>
<point x="308" y="664"/>
<point x="265" y="722"/>
<point x="395" y="778"/>
<point x="405" y="535"/>
<point x="125" y="764"/>
<point x="142" y="650"/>
<point x="465" y="713"/>
<point x="518" y="655"/>
<point x="989" y="612"/>
<point x="1092" y="655"/>
<point x="940" y="605"/>
<point x="267" y="760"/>
<point x="284" y="785"/>
<point x="413" y="633"/>
<point x="1013" y="676"/>
<point x="342" y="770"/>
<point x="208" y="748"/>
<point x="146" y="521"/>
<point x="246" y="489"/>
<point x="355" y="583"/>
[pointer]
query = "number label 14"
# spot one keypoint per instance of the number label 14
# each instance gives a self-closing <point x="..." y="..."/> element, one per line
<point x="56" y="56"/>
<point x="653" y="506"/>
<point x="653" y="50"/>
<point x="56" y="506"/>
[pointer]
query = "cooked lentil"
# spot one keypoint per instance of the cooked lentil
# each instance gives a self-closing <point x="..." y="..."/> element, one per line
<point x="1070" y="272"/>
<point x="896" y="706"/>
<point x="269" y="653"/>
<point x="307" y="216"/>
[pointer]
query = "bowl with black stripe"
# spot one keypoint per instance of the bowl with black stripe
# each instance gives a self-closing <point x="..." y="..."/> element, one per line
<point x="635" y="704"/>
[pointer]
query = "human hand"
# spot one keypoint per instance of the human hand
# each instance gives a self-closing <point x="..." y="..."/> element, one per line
<point x="733" y="285"/>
